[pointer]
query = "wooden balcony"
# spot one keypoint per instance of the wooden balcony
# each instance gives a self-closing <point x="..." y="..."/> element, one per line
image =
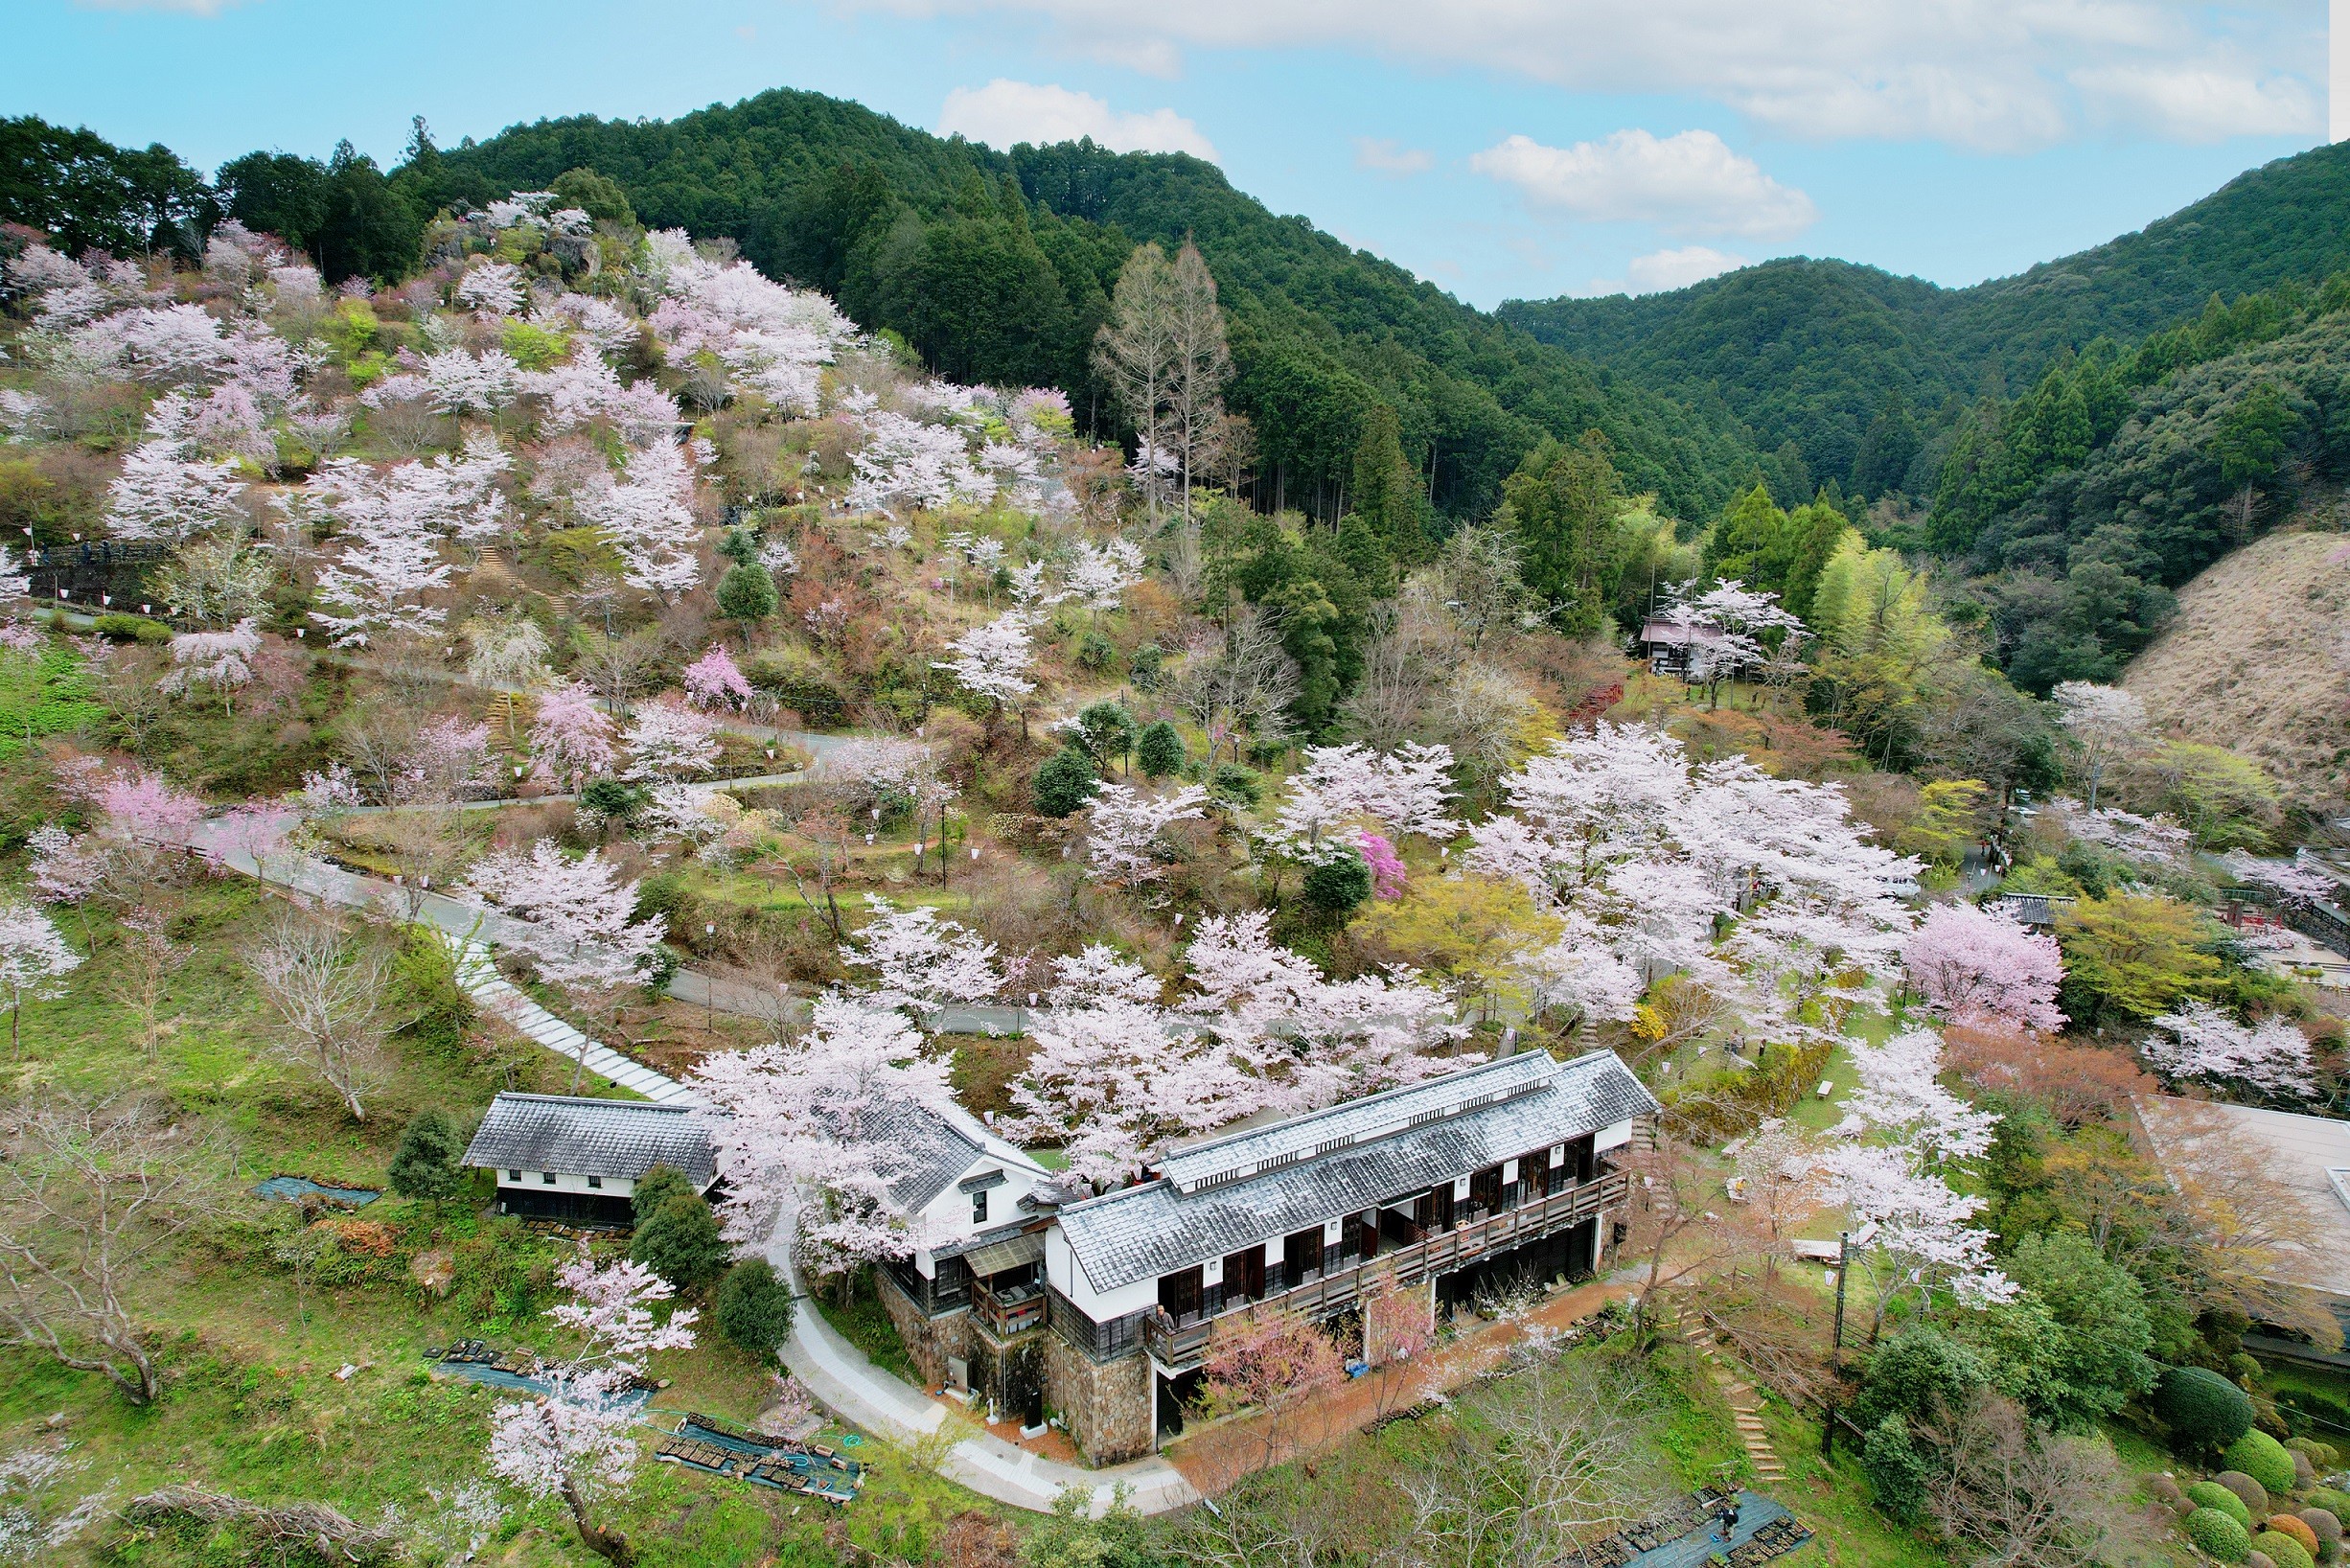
<point x="1182" y="1345"/>
<point x="1012" y="1312"/>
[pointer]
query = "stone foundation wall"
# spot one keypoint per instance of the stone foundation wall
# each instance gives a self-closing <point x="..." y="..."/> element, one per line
<point x="1105" y="1404"/>
<point x="929" y="1341"/>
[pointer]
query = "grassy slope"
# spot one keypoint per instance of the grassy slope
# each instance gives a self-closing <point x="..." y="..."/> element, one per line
<point x="251" y="1405"/>
<point x="2250" y="662"/>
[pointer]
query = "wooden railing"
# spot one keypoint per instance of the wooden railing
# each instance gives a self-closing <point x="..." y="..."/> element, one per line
<point x="1182" y="1344"/>
<point x="1005" y="1318"/>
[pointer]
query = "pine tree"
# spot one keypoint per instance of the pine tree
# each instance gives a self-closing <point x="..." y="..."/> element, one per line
<point x="1385" y="490"/>
<point x="1160" y="751"/>
<point x="428" y="1166"/>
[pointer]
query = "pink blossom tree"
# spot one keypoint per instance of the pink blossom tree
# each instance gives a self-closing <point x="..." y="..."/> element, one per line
<point x="446" y="757"/>
<point x="806" y="1134"/>
<point x="2201" y="1041"/>
<point x="577" y="1442"/>
<point x="35" y="960"/>
<point x="1388" y="874"/>
<point x="1974" y="966"/>
<point x="571" y="739"/>
<point x="920" y="959"/>
<point x="66" y="868"/>
<point x="713" y="681"/>
<point x="1113" y="1081"/>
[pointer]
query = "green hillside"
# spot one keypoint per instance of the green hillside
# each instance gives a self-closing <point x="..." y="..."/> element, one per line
<point x="1811" y="351"/>
<point x="925" y="235"/>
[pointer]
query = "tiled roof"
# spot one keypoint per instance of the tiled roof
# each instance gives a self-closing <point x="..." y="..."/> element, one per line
<point x="1315" y="1167"/>
<point x="577" y="1137"/>
<point x="935" y="1151"/>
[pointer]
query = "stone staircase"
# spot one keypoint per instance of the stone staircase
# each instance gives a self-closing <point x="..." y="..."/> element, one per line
<point x="1745" y="1407"/>
<point x="478" y="978"/>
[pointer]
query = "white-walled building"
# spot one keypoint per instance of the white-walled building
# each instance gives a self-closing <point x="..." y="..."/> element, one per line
<point x="577" y="1161"/>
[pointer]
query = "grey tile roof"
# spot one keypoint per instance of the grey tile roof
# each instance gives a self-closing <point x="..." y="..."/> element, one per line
<point x="591" y="1138"/>
<point x="1354" y="1155"/>
<point x="934" y="1150"/>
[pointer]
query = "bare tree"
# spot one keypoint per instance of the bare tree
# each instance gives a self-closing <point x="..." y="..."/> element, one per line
<point x="144" y="960"/>
<point x="88" y="1192"/>
<point x="1135" y="351"/>
<point x="2008" y="1494"/>
<point x="429" y="847"/>
<point x="327" y="990"/>
<point x="1671" y="1227"/>
<point x="1409" y="646"/>
<point x="1200" y="365"/>
<point x="376" y="741"/>
<point x="616" y="667"/>
<point x="1240" y="679"/>
<point x="1560" y="1453"/>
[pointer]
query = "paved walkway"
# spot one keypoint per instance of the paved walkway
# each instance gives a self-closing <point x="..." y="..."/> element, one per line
<point x="838" y="1375"/>
<point x="478" y="978"/>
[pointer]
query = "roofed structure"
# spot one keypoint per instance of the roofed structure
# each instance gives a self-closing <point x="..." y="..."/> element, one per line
<point x="611" y="1139"/>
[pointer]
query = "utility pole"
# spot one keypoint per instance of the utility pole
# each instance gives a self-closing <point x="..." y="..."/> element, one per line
<point x="1835" y="1348"/>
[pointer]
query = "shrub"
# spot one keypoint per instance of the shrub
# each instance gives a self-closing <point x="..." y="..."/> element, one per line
<point x="2324" y="1525"/>
<point x="680" y="1242"/>
<point x="1916" y="1371"/>
<point x="1095" y="652"/>
<point x="656" y="1188"/>
<point x="2210" y="1494"/>
<point x="2336" y="1503"/>
<point x="2219" y="1534"/>
<point x="611" y="798"/>
<point x="2204" y="1411"/>
<point x="1897" y="1468"/>
<point x="2264" y="1458"/>
<point x="1233" y="782"/>
<point x="429" y="1165"/>
<point x="1159" y="751"/>
<point x="121" y="628"/>
<point x="753" y="1307"/>
<point x="2255" y="1496"/>
<point x="2282" y="1549"/>
<point x="1063" y="783"/>
<point x="2162" y="1489"/>
<point x="2289" y="1524"/>
<point x="1107" y="731"/>
<point x="801" y="684"/>
<point x="1145" y="663"/>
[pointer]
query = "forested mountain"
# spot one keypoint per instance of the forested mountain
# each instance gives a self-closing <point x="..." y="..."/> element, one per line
<point x="1814" y="352"/>
<point x="997" y="267"/>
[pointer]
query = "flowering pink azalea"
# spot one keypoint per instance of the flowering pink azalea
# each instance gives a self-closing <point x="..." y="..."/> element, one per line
<point x="713" y="681"/>
<point x="1387" y="872"/>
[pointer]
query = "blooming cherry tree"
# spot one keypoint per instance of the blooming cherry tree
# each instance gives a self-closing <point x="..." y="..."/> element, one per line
<point x="922" y="960"/>
<point x="1123" y="826"/>
<point x="1974" y="966"/>
<point x="1403" y="792"/>
<point x="1901" y="1094"/>
<point x="1112" y="1082"/>
<point x="577" y="1442"/>
<point x="576" y="918"/>
<point x="219" y="659"/>
<point x="2105" y="724"/>
<point x="993" y="661"/>
<point x="2201" y="1041"/>
<point x="1100" y="574"/>
<point x="808" y="1132"/>
<point x="163" y="493"/>
<point x="649" y="515"/>
<point x="669" y="740"/>
<point x="713" y="681"/>
<point x="571" y="739"/>
<point x="35" y="960"/>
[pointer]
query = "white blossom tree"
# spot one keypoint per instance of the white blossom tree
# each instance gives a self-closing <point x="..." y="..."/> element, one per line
<point x="390" y="561"/>
<point x="219" y="659"/>
<point x="571" y="738"/>
<point x="163" y="493"/>
<point x="806" y="1133"/>
<point x="35" y="960"/>
<point x="649" y="515"/>
<point x="328" y="991"/>
<point x="1123" y="826"/>
<point x="577" y="1442"/>
<point x="1403" y="792"/>
<point x="2201" y="1041"/>
<point x="993" y="661"/>
<point x="1111" y="1081"/>
<point x="920" y="959"/>
<point x="2103" y="724"/>
<point x="670" y="740"/>
<point x="575" y="918"/>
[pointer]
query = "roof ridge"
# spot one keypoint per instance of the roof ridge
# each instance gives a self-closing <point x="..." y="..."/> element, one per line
<point x="595" y="1101"/>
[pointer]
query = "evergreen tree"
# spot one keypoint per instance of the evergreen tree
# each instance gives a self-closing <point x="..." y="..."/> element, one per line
<point x="1887" y="449"/>
<point x="753" y="1307"/>
<point x="680" y="1242"/>
<point x="277" y="193"/>
<point x="1107" y="730"/>
<point x="370" y="229"/>
<point x="1064" y="782"/>
<point x="429" y="1165"/>
<point x="747" y="594"/>
<point x="1567" y="500"/>
<point x="1385" y="490"/>
<point x="1159" y="751"/>
<point x="657" y="1186"/>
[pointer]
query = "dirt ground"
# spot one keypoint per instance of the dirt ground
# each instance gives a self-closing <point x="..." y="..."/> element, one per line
<point x="1212" y="1458"/>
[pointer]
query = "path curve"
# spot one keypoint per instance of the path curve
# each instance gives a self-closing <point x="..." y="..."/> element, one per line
<point x="839" y="1375"/>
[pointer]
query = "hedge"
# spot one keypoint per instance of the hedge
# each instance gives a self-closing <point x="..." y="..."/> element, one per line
<point x="2210" y="1494"/>
<point x="2264" y="1458"/>
<point x="2219" y="1534"/>
<point x="2203" y="1410"/>
<point x="2282" y="1550"/>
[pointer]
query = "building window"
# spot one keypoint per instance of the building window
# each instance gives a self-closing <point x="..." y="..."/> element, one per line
<point x="514" y="1175"/>
<point x="979" y="1206"/>
<point x="595" y="1181"/>
<point x="546" y="1178"/>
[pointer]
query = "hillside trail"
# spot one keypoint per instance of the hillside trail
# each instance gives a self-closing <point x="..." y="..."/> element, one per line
<point x="1745" y="1405"/>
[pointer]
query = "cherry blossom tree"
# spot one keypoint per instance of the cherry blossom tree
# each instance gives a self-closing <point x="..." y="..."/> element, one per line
<point x="66" y="868"/>
<point x="920" y="959"/>
<point x="390" y="560"/>
<point x="1403" y="792"/>
<point x="1901" y="1094"/>
<point x="446" y="757"/>
<point x="649" y="515"/>
<point x="575" y="918"/>
<point x="713" y="681"/>
<point x="2293" y="884"/>
<point x="1100" y="574"/>
<point x="571" y="739"/>
<point x="1099" y="973"/>
<point x="2154" y="841"/>
<point x="1735" y="620"/>
<point x="577" y="1442"/>
<point x="219" y="659"/>
<point x="1919" y="1236"/>
<point x="2103" y="724"/>
<point x="1978" y="967"/>
<point x="906" y="465"/>
<point x="492" y="289"/>
<point x="807" y="1133"/>
<point x="1112" y="1082"/>
<point x="1123" y="826"/>
<point x="1388" y="874"/>
<point x="35" y="960"/>
<point x="993" y="661"/>
<point x="163" y="493"/>
<point x="669" y="740"/>
<point x="2201" y="1041"/>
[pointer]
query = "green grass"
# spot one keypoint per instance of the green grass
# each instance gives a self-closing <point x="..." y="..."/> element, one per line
<point x="1831" y="1496"/>
<point x="865" y="1323"/>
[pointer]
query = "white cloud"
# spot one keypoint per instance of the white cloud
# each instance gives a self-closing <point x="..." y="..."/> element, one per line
<point x="1691" y="183"/>
<point x="1988" y="75"/>
<point x="1383" y="157"/>
<point x="1006" y="112"/>
<point x="1663" y="270"/>
<point x="2201" y="106"/>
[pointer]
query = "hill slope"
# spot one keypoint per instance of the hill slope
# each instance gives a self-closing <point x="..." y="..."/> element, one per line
<point x="902" y="224"/>
<point x="2250" y="662"/>
<point x="1809" y="351"/>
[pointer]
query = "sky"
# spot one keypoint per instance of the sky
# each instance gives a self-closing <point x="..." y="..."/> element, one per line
<point x="1501" y="148"/>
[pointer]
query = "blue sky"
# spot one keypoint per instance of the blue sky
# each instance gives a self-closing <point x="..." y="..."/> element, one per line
<point x="1500" y="147"/>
